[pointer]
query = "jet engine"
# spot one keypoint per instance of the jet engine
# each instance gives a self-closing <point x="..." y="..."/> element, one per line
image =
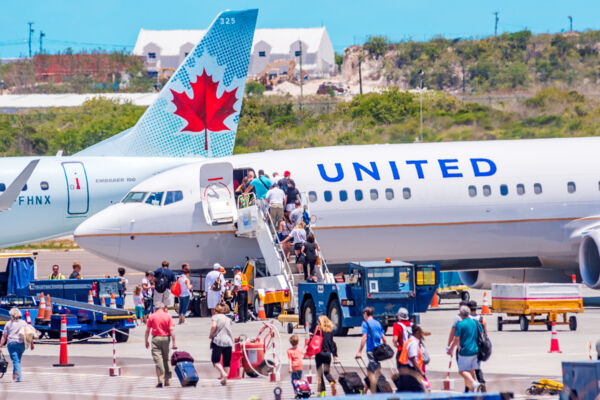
<point x="589" y="259"/>
<point x="484" y="278"/>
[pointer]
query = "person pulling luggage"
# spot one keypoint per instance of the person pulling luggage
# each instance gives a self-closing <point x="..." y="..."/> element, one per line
<point x="162" y="327"/>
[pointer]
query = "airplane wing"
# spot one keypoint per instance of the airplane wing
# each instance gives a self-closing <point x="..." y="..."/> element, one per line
<point x="10" y="194"/>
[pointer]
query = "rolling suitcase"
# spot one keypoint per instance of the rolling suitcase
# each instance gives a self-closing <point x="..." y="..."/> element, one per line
<point x="349" y="381"/>
<point x="186" y="372"/>
<point x="382" y="386"/>
<point x="302" y="389"/>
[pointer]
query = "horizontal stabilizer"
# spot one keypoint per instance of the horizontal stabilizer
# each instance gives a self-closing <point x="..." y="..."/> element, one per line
<point x="197" y="111"/>
<point x="12" y="192"/>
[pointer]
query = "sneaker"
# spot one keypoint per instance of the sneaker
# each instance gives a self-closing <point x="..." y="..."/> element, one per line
<point x="333" y="389"/>
<point x="167" y="382"/>
<point x="224" y="381"/>
<point x="159" y="385"/>
<point x="476" y="386"/>
<point x="322" y="394"/>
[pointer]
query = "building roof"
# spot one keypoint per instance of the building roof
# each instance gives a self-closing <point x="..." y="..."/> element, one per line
<point x="170" y="41"/>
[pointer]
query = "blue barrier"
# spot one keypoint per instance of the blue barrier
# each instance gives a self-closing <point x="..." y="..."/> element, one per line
<point x="427" y="396"/>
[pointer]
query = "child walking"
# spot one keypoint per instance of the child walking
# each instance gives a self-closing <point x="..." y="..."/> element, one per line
<point x="295" y="355"/>
<point x="138" y="302"/>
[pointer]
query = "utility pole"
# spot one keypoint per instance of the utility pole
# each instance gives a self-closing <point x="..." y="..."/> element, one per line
<point x="496" y="23"/>
<point x="301" y="74"/>
<point x="570" y="23"/>
<point x="42" y="34"/>
<point x="421" y="105"/>
<point x="30" y="34"/>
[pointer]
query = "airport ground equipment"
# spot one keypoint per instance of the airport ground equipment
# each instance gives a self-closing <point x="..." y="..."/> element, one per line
<point x="452" y="287"/>
<point x="18" y="288"/>
<point x="426" y="396"/>
<point x="537" y="304"/>
<point x="580" y="380"/>
<point x="385" y="286"/>
<point x="545" y="387"/>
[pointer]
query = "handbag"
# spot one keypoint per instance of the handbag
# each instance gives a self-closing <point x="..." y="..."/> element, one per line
<point x="3" y="365"/>
<point x="382" y="352"/>
<point x="314" y="346"/>
<point x="216" y="287"/>
<point x="176" y="288"/>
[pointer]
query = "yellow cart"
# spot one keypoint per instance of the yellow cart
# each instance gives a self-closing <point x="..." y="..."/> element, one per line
<point x="537" y="304"/>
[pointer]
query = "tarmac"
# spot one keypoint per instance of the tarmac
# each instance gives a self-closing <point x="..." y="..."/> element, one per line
<point x="518" y="357"/>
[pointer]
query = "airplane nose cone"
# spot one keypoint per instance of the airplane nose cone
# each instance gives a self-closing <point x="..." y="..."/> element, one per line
<point x="101" y="233"/>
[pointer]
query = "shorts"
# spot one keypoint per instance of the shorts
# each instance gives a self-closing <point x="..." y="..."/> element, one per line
<point x="139" y="312"/>
<point x="298" y="246"/>
<point x="164" y="297"/>
<point x="218" y="351"/>
<point x="373" y="362"/>
<point x="148" y="305"/>
<point x="467" y="363"/>
<point x="290" y="207"/>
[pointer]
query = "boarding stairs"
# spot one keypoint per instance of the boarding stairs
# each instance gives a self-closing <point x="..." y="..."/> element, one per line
<point x="253" y="222"/>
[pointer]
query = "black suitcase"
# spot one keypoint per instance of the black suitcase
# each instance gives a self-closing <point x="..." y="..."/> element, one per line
<point x="382" y="386"/>
<point x="350" y="381"/>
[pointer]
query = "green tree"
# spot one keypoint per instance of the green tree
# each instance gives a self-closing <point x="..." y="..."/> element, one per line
<point x="376" y="46"/>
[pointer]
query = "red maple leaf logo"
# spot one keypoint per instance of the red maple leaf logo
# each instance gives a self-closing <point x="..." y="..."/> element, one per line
<point x="204" y="111"/>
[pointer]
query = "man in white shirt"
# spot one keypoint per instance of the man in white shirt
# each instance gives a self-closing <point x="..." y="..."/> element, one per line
<point x="213" y="297"/>
<point x="275" y="198"/>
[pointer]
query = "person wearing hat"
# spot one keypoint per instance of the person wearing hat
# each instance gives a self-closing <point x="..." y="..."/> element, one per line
<point x="401" y="331"/>
<point x="214" y="286"/>
<point x="412" y="361"/>
<point x="240" y="283"/>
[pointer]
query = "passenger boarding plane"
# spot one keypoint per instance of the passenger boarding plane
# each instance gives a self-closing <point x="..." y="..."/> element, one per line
<point x="195" y="114"/>
<point x="529" y="205"/>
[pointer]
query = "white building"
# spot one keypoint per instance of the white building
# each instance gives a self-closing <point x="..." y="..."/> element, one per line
<point x="164" y="50"/>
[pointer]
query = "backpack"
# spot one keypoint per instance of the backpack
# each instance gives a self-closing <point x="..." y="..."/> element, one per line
<point x="162" y="282"/>
<point x="484" y="344"/>
<point x="216" y="287"/>
<point x="305" y="218"/>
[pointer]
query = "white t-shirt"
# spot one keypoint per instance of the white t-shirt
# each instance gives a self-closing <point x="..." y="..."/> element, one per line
<point x="237" y="281"/>
<point x="146" y="293"/>
<point x="296" y="215"/>
<point x="413" y="350"/>
<point x="275" y="196"/>
<point x="299" y="235"/>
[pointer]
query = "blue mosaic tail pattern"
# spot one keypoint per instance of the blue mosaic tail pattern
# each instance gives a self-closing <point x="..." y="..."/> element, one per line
<point x="197" y="111"/>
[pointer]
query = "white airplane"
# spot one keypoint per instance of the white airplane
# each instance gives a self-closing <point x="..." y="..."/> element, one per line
<point x="196" y="114"/>
<point x="529" y="205"/>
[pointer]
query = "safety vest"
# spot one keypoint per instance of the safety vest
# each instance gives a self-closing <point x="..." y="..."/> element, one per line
<point x="59" y="276"/>
<point x="245" y="285"/>
<point x="403" y="358"/>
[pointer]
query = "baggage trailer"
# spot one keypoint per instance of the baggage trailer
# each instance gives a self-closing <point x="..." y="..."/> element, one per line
<point x="452" y="287"/>
<point x="385" y="286"/>
<point x="537" y="304"/>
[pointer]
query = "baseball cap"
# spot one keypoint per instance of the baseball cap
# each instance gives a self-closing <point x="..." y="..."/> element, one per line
<point x="237" y="267"/>
<point x="286" y="173"/>
<point x="403" y="314"/>
<point x="217" y="266"/>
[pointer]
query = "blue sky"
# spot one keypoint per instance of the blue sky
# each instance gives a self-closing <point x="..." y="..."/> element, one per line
<point x="115" y="23"/>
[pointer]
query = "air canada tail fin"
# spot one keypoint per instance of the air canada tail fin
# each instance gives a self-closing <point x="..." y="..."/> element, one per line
<point x="197" y="111"/>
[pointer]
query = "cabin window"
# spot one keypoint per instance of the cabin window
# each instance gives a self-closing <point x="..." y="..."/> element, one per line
<point x="327" y="196"/>
<point x="134" y="197"/>
<point x="155" y="198"/>
<point x="389" y="194"/>
<point x="406" y="193"/>
<point x="44" y="185"/>
<point x="571" y="187"/>
<point x="374" y="194"/>
<point x="343" y="195"/>
<point x="520" y="189"/>
<point x="358" y="195"/>
<point x="487" y="190"/>
<point x="2" y="187"/>
<point x="312" y="196"/>
<point x="537" y="188"/>
<point x="503" y="190"/>
<point x="472" y="191"/>
<point x="173" y="197"/>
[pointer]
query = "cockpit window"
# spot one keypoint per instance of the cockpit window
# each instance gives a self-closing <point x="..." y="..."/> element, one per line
<point x="135" y="197"/>
<point x="173" y="196"/>
<point x="155" y="198"/>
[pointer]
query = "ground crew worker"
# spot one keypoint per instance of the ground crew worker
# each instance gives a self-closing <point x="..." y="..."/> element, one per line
<point x="76" y="274"/>
<point x="55" y="274"/>
<point x="410" y="361"/>
<point x="240" y="282"/>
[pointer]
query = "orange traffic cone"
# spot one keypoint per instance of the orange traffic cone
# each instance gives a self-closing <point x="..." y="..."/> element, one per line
<point x="261" y="309"/>
<point x="48" y="313"/>
<point x="42" y="307"/>
<point x="27" y="317"/>
<point x="435" y="303"/>
<point x="485" y="308"/>
<point x="64" y="356"/>
<point x="554" y="348"/>
<point x="90" y="298"/>
<point x="103" y="301"/>
<point x="113" y="303"/>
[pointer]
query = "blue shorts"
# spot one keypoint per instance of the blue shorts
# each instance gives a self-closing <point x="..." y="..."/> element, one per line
<point x="467" y="363"/>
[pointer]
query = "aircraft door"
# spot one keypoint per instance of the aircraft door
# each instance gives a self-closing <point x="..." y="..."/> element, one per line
<point x="77" y="187"/>
<point x="216" y="188"/>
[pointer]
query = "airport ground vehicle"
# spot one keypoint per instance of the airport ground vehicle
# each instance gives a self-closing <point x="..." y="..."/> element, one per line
<point x="18" y="288"/>
<point x="452" y="287"/>
<point x="385" y="286"/>
<point x="530" y="301"/>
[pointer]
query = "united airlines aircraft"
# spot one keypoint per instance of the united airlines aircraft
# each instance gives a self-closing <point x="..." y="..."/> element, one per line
<point x="529" y="205"/>
<point x="195" y="114"/>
